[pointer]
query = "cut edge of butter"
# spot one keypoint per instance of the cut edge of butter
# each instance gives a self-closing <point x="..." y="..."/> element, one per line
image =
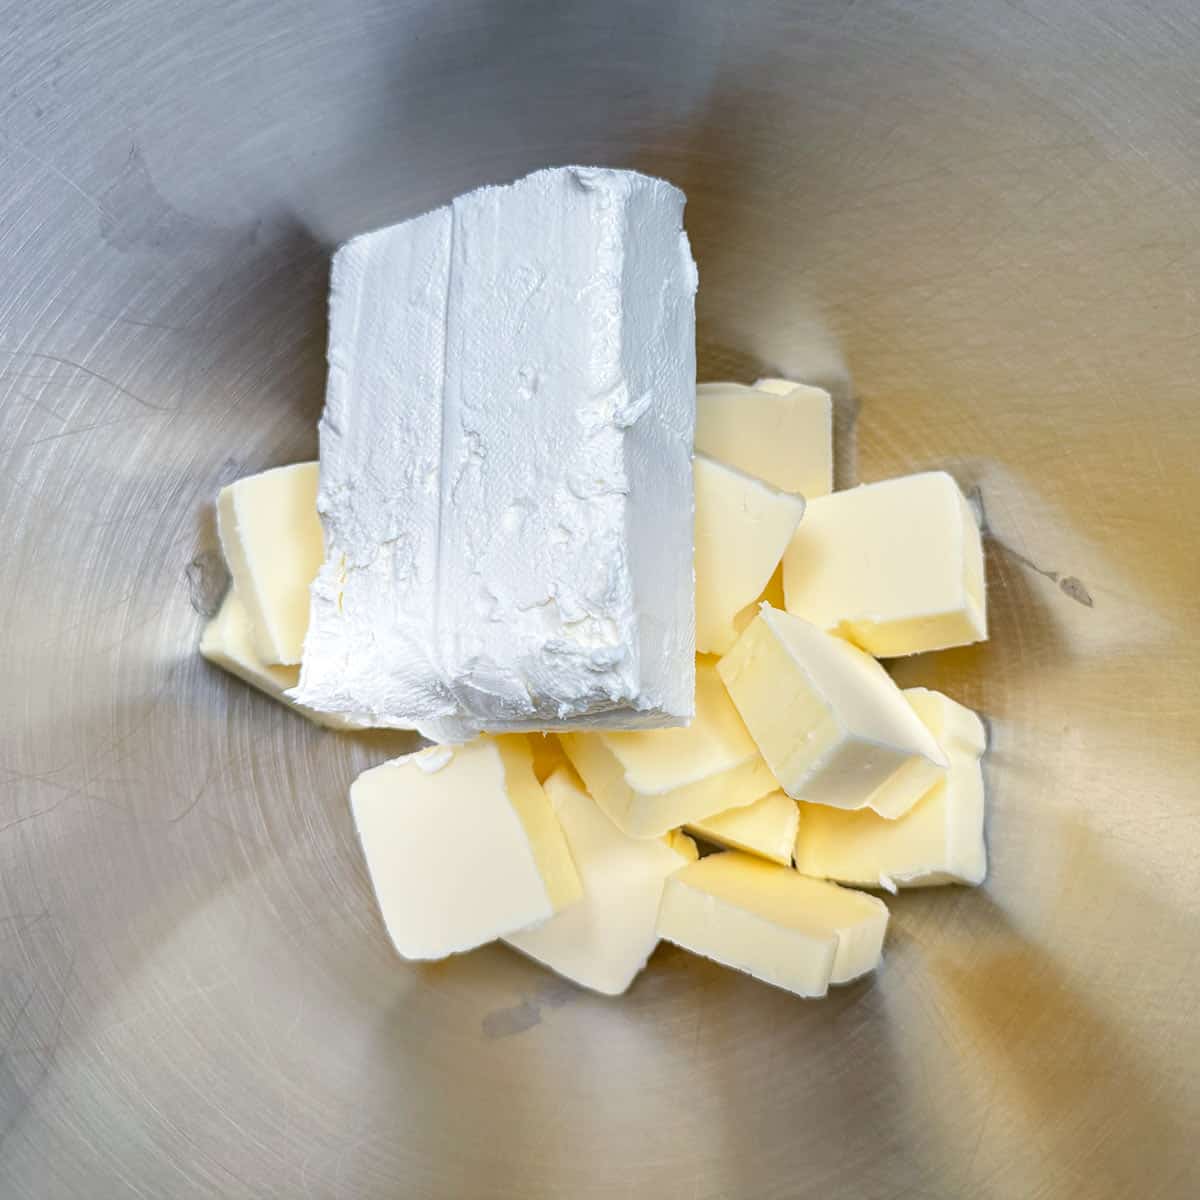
<point x="780" y="434"/>
<point x="955" y="728"/>
<point x="273" y="544"/>
<point x="772" y="383"/>
<point x="548" y="754"/>
<point x="678" y="841"/>
<point x="656" y="814"/>
<point x="771" y="922"/>
<point x="767" y="828"/>
<point x="798" y="956"/>
<point x="604" y="941"/>
<point x="546" y="839"/>
<point x="743" y="527"/>
<point x="462" y="846"/>
<point x="228" y="642"/>
<point x="939" y="840"/>
<point x="650" y="782"/>
<point x="830" y="722"/>
<point x="849" y="569"/>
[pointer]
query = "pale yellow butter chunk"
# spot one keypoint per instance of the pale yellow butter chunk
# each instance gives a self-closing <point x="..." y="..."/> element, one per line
<point x="273" y="544"/>
<point x="954" y="728"/>
<point x="766" y="828"/>
<point x="654" y="781"/>
<point x="896" y="567"/>
<point x="743" y="526"/>
<point x="829" y="720"/>
<point x="682" y="845"/>
<point x="603" y="941"/>
<point x="957" y="729"/>
<point x="781" y="434"/>
<point x="228" y="642"/>
<point x="548" y="755"/>
<point x="462" y="846"/>
<point x="771" y="922"/>
<point x="939" y="840"/>
<point x="772" y="594"/>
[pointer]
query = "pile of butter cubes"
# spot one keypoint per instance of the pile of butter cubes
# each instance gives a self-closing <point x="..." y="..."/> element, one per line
<point x="805" y="767"/>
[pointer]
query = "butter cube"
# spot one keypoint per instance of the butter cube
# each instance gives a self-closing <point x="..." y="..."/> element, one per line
<point x="895" y="567"/>
<point x="651" y="781"/>
<point x="228" y="642"/>
<point x="952" y="726"/>
<point x="273" y="544"/>
<point x="766" y="828"/>
<point x="782" y="433"/>
<point x="828" y="719"/>
<point x="603" y="941"/>
<point x="771" y="922"/>
<point x="743" y="526"/>
<point x="957" y="729"/>
<point x="939" y="841"/>
<point x="462" y="846"/>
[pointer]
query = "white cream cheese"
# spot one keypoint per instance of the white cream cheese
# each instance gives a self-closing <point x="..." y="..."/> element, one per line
<point x="506" y="487"/>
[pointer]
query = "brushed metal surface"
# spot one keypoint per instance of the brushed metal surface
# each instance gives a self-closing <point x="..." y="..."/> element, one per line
<point x="977" y="221"/>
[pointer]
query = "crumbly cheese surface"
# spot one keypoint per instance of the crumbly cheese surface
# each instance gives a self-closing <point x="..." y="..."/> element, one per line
<point x="506" y="486"/>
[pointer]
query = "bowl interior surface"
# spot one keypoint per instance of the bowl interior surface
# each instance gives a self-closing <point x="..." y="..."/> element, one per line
<point x="975" y="223"/>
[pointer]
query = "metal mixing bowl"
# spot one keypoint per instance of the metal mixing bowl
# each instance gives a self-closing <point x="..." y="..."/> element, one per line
<point x="976" y="221"/>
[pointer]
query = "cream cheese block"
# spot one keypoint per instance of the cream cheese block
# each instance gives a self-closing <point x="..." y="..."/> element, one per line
<point x="462" y="846"/>
<point x="506" y="487"/>
<point x="603" y="941"/>
<point x="648" y="783"/>
<point x="778" y="431"/>
<point x="743" y="527"/>
<point x="895" y="567"/>
<point x="781" y="927"/>
<point x="271" y="537"/>
<point x="939" y="840"/>
<point x="829" y="720"/>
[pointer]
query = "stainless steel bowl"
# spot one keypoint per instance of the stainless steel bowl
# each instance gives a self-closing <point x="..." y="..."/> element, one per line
<point x="976" y="221"/>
